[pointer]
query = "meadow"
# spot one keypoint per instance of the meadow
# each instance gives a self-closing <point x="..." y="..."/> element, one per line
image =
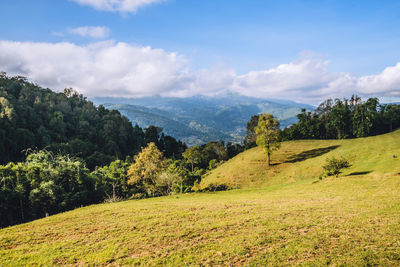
<point x="279" y="215"/>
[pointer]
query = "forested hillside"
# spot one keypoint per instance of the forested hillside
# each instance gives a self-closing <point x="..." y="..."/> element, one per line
<point x="201" y="119"/>
<point x="292" y="218"/>
<point x="347" y="118"/>
<point x="32" y="117"/>
<point x="59" y="152"/>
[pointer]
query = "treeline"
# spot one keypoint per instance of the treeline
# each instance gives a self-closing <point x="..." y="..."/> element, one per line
<point x="66" y="123"/>
<point x="341" y="119"/>
<point x="47" y="183"/>
<point x="59" y="152"/>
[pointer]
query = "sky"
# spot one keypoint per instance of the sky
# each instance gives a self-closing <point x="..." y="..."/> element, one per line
<point x="303" y="50"/>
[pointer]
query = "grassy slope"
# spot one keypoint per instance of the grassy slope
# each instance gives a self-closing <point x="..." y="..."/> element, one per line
<point x="348" y="220"/>
<point x="299" y="160"/>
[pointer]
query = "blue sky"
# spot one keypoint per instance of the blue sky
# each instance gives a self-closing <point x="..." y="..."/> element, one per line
<point x="237" y="43"/>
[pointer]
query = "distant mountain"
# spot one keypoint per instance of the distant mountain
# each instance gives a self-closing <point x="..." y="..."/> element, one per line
<point x="199" y="119"/>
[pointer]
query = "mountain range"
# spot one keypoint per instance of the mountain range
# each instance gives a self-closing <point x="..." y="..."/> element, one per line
<point x="200" y="119"/>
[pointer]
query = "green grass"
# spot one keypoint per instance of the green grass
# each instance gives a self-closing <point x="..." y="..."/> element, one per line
<point x="350" y="220"/>
<point x="300" y="160"/>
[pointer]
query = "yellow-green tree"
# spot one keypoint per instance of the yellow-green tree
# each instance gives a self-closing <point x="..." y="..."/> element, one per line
<point x="268" y="134"/>
<point x="148" y="165"/>
<point x="192" y="155"/>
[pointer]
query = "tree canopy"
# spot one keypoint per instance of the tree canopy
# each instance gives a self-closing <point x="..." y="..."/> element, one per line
<point x="34" y="117"/>
<point x="268" y="134"/>
<point x="347" y="118"/>
<point x="148" y="165"/>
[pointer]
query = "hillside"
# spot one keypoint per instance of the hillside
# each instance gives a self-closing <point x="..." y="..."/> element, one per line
<point x="303" y="159"/>
<point x="190" y="133"/>
<point x="350" y="220"/>
<point x="200" y="119"/>
<point x="32" y="117"/>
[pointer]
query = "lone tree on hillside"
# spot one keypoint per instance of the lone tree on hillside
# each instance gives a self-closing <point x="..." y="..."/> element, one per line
<point x="268" y="134"/>
<point x="334" y="166"/>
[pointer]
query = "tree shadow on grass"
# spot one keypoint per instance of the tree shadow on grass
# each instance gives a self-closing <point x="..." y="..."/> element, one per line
<point x="310" y="154"/>
<point x="358" y="173"/>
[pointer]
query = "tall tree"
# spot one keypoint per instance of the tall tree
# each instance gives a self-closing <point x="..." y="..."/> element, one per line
<point x="251" y="136"/>
<point x="148" y="165"/>
<point x="192" y="155"/>
<point x="268" y="134"/>
<point x="114" y="176"/>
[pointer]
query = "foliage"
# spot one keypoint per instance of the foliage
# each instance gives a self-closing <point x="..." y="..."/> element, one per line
<point x="113" y="179"/>
<point x="334" y="166"/>
<point x="33" y="117"/>
<point x="192" y="155"/>
<point x="342" y="119"/>
<point x="44" y="184"/>
<point x="274" y="234"/>
<point x="198" y="120"/>
<point x="249" y="169"/>
<point x="268" y="134"/>
<point x="215" y="187"/>
<point x="349" y="222"/>
<point x="251" y="136"/>
<point x="144" y="172"/>
<point x="168" y="183"/>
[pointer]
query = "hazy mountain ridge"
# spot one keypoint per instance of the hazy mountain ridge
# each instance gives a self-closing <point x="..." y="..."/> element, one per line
<point x="200" y="119"/>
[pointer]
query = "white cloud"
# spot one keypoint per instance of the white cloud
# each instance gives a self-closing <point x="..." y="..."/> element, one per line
<point x="90" y="31"/>
<point x="124" y="70"/>
<point x="306" y="79"/>
<point x="123" y="6"/>
<point x="386" y="83"/>
<point x="99" y="69"/>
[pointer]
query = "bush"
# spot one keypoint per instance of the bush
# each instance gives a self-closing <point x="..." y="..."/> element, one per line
<point x="168" y="183"/>
<point x="334" y="166"/>
<point x="216" y="187"/>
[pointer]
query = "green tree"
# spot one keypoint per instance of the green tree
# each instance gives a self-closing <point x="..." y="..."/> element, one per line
<point x="268" y="134"/>
<point x="334" y="166"/>
<point x="251" y="136"/>
<point x="148" y="165"/>
<point x="115" y="177"/>
<point x="168" y="182"/>
<point x="184" y="180"/>
<point x="193" y="156"/>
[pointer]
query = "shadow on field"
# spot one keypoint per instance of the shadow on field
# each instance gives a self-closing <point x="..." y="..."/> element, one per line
<point x="358" y="173"/>
<point x="310" y="154"/>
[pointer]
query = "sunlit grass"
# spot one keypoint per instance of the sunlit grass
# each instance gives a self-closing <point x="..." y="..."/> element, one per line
<point x="350" y="220"/>
<point x="299" y="160"/>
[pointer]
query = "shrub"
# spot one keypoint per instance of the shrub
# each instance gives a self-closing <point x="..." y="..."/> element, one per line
<point x="216" y="187"/>
<point x="334" y="166"/>
<point x="168" y="183"/>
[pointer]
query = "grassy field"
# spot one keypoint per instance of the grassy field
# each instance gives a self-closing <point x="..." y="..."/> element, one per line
<point x="289" y="220"/>
<point x="302" y="160"/>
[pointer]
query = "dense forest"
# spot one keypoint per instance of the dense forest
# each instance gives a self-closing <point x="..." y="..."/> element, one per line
<point x="33" y="117"/>
<point x="348" y="118"/>
<point x="59" y="152"/>
<point x="337" y="119"/>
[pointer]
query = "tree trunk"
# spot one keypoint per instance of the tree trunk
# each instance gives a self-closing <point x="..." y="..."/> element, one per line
<point x="113" y="186"/>
<point x="192" y="166"/>
<point x="268" y="159"/>
<point x="22" y="210"/>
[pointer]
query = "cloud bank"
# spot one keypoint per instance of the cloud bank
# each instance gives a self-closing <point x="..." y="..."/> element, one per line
<point x="119" y="69"/>
<point x="90" y="31"/>
<point x="123" y="6"/>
